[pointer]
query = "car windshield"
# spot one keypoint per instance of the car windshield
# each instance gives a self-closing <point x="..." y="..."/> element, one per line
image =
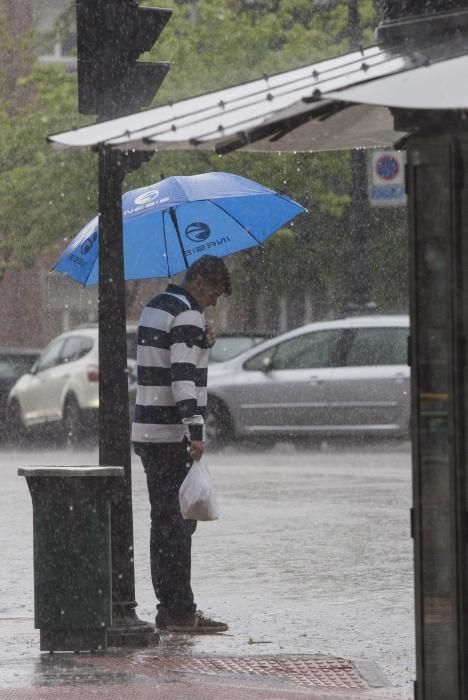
<point x="23" y="364"/>
<point x="227" y="347"/>
<point x="16" y="365"/>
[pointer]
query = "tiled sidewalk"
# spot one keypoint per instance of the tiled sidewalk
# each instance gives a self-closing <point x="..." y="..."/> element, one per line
<point x="173" y="671"/>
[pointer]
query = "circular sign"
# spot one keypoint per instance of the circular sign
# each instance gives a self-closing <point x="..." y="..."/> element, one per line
<point x="387" y="167"/>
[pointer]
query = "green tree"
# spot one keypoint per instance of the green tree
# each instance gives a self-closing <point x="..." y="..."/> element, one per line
<point x="46" y="196"/>
<point x="43" y="195"/>
<point x="216" y="43"/>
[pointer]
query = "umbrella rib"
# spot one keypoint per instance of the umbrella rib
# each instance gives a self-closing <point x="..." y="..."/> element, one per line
<point x="91" y="270"/>
<point x="165" y="242"/>
<point x="172" y="212"/>
<point x="285" y="198"/>
<point x="260" y="243"/>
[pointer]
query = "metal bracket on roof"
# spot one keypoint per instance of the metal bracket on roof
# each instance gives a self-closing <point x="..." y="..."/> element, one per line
<point x="295" y="116"/>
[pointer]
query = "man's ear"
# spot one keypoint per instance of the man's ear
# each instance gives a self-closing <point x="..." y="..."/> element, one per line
<point x="198" y="282"/>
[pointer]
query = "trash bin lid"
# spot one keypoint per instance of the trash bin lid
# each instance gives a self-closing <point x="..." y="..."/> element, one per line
<point x="71" y="471"/>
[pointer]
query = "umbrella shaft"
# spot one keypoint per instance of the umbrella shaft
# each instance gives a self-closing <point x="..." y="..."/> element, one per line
<point x="176" y="226"/>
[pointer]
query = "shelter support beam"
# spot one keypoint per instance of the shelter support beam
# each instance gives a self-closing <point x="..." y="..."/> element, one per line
<point x="438" y="224"/>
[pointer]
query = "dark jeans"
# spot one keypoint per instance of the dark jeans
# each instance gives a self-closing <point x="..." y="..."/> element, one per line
<point x="166" y="466"/>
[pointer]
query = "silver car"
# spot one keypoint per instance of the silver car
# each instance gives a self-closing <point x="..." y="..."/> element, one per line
<point x="229" y="345"/>
<point x="337" y="377"/>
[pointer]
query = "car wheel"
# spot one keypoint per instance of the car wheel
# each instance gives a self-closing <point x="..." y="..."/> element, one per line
<point x="72" y="421"/>
<point x="16" y="430"/>
<point x="218" y="423"/>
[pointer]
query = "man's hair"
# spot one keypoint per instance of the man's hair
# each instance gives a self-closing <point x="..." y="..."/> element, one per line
<point x="211" y="269"/>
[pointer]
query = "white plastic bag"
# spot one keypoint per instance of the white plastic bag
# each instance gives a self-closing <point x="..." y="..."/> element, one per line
<point x="196" y="495"/>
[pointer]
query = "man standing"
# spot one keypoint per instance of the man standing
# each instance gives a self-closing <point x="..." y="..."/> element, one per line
<point x="168" y="429"/>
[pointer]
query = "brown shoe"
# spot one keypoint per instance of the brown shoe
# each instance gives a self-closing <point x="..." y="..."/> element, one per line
<point x="196" y="624"/>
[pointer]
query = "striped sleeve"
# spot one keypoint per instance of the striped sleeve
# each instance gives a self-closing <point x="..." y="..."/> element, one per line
<point x="187" y="339"/>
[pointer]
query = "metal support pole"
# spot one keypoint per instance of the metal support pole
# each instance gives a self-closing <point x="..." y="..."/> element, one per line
<point x="359" y="299"/>
<point x="354" y="26"/>
<point x="114" y="438"/>
<point x="438" y="225"/>
<point x="114" y="420"/>
<point x="359" y="291"/>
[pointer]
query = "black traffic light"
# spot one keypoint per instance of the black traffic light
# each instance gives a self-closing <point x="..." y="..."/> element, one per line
<point x="111" y="35"/>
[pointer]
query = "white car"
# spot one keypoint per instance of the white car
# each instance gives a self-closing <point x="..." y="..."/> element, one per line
<point x="337" y="377"/>
<point x="62" y="387"/>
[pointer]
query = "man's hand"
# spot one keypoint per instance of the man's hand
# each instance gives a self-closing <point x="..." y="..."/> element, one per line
<point x="210" y="335"/>
<point x="196" y="449"/>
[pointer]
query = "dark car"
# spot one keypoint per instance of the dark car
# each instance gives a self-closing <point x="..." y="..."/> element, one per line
<point x="14" y="362"/>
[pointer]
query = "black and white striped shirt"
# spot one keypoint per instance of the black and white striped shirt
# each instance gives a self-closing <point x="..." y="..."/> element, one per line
<point x="172" y="367"/>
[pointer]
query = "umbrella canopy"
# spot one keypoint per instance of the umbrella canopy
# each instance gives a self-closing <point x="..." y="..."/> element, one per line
<point x="168" y="225"/>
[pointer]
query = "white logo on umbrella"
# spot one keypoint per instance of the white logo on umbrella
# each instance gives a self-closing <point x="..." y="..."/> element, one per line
<point x="147" y="197"/>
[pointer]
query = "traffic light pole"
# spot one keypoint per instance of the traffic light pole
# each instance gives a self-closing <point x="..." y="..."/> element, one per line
<point x="114" y="421"/>
<point x="113" y="392"/>
<point x="112" y="82"/>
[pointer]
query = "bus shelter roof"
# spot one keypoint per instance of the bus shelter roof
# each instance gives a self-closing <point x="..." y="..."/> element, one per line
<point x="263" y="111"/>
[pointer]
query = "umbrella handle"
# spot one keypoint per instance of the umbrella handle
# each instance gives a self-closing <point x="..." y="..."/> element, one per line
<point x="172" y="212"/>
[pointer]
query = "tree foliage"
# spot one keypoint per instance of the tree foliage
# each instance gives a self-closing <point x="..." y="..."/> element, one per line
<point x="46" y="196"/>
<point x="216" y="43"/>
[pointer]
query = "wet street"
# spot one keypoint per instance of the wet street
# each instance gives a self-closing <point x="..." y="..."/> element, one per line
<point x="311" y="555"/>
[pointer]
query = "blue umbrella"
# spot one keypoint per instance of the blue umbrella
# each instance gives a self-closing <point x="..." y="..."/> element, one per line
<point x="168" y="225"/>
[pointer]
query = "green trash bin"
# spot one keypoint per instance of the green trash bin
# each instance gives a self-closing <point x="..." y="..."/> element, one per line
<point x="72" y="554"/>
